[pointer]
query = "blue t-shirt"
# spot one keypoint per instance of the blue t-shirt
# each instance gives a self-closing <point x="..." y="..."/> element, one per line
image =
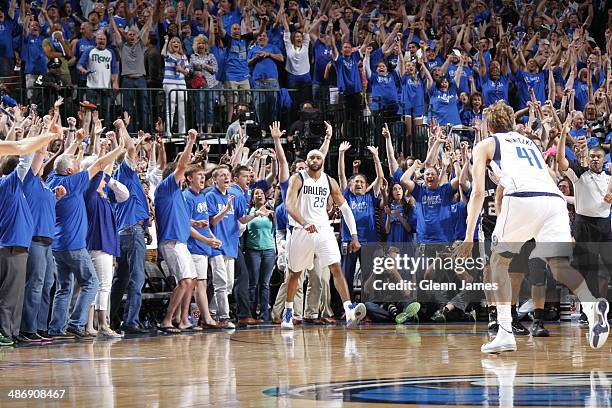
<point x="16" y="225"/>
<point x="33" y="55"/>
<point x="364" y="210"/>
<point x="284" y="187"/>
<point x="493" y="91"/>
<point x="197" y="29"/>
<point x="221" y="55"/>
<point x="102" y="230"/>
<point x="281" y="218"/>
<point x="233" y="17"/>
<point x="436" y="62"/>
<point x="468" y="116"/>
<point x="227" y="230"/>
<point x="444" y="105"/>
<point x="459" y="213"/>
<point x="525" y="80"/>
<point x="236" y="67"/>
<point x="347" y="70"/>
<point x="322" y="57"/>
<point x="136" y="207"/>
<point x="8" y="30"/>
<point x="83" y="46"/>
<point x="412" y="93"/>
<point x="464" y="82"/>
<point x="196" y="204"/>
<point x="263" y="68"/>
<point x="41" y="201"/>
<point x="171" y="212"/>
<point x="384" y="90"/>
<point x="71" y="216"/>
<point x="581" y="97"/>
<point x="398" y="233"/>
<point x="433" y="212"/>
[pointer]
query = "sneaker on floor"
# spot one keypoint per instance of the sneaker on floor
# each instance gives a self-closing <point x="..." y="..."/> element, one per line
<point x="518" y="328"/>
<point x="80" y="334"/>
<point x="28" y="338"/>
<point x="61" y="336"/>
<point x="504" y="341"/>
<point x="412" y="310"/>
<point x="226" y="324"/>
<point x="439" y="316"/>
<point x="538" y="329"/>
<point x="109" y="334"/>
<point x="5" y="341"/>
<point x="355" y="313"/>
<point x="44" y="336"/>
<point x="287" y="319"/>
<point x="599" y="328"/>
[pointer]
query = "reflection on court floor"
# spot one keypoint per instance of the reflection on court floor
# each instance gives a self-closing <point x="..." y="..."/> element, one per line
<point x="423" y="365"/>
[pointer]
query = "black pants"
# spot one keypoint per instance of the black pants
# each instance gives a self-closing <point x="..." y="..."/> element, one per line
<point x="593" y="237"/>
<point x="13" y="262"/>
<point x="241" y="287"/>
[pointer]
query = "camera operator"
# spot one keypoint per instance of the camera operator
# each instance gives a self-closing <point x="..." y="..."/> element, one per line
<point x="307" y="132"/>
<point x="52" y="84"/>
<point x="244" y="118"/>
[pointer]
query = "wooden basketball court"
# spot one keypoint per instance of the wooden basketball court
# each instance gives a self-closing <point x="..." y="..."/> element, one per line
<point x="314" y="366"/>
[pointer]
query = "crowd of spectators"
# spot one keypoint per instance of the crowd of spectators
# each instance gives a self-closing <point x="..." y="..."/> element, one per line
<point x="87" y="205"/>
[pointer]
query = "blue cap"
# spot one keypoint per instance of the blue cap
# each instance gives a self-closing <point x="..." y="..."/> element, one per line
<point x="8" y="101"/>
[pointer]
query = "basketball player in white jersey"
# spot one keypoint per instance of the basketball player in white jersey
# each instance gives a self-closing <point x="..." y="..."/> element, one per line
<point x="532" y="207"/>
<point x="312" y="234"/>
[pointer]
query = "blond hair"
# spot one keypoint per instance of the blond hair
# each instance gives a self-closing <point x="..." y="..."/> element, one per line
<point x="500" y="117"/>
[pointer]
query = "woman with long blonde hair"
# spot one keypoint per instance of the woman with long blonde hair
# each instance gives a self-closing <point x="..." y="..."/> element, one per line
<point x="176" y="68"/>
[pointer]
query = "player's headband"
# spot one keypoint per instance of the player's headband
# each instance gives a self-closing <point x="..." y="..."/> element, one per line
<point x="315" y="152"/>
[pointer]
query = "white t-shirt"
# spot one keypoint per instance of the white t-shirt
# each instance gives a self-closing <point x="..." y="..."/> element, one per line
<point x="103" y="64"/>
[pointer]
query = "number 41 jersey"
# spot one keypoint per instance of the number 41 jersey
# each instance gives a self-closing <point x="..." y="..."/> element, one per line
<point x="520" y="167"/>
<point x="312" y="200"/>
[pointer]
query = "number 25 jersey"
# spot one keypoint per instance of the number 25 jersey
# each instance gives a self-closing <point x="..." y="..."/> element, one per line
<point x="312" y="200"/>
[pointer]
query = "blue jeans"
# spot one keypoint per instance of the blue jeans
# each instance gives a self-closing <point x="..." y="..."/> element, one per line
<point x="140" y="112"/>
<point x="265" y="102"/>
<point x="39" y="279"/>
<point x="130" y="275"/>
<point x="260" y="264"/>
<point x="349" y="265"/>
<point x="205" y="104"/>
<point x="75" y="263"/>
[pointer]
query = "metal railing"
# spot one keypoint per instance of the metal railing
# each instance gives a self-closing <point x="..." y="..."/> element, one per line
<point x="210" y="112"/>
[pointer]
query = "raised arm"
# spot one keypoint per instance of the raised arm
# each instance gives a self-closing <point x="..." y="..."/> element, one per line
<point x="379" y="170"/>
<point x="181" y="165"/>
<point x="393" y="165"/>
<point x="344" y="146"/>
<point x="406" y="179"/>
<point x="283" y="165"/>
<point x="100" y="164"/>
<point x="329" y="131"/>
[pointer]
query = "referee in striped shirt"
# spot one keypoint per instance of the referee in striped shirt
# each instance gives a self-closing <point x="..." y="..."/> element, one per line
<point x="593" y="192"/>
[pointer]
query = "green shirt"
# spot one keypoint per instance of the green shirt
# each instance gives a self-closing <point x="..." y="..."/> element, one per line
<point x="260" y="233"/>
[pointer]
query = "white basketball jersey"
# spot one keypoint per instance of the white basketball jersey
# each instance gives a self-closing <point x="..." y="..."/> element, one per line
<point x="520" y="166"/>
<point x="312" y="200"/>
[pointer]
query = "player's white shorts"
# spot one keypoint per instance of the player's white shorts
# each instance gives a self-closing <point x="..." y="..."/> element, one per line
<point x="302" y="247"/>
<point x="201" y="266"/>
<point x="544" y="218"/>
<point x="179" y="260"/>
